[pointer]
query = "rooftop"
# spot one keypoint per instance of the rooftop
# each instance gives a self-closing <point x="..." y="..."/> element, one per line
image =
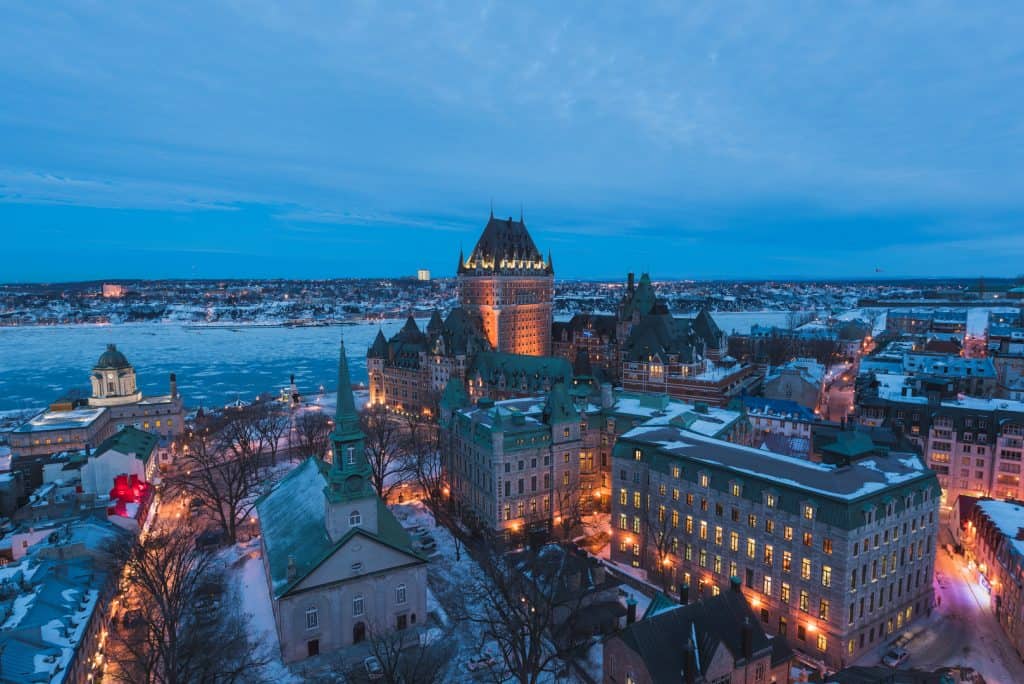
<point x="848" y="482"/>
<point x="48" y="420"/>
<point x="1008" y="517"/>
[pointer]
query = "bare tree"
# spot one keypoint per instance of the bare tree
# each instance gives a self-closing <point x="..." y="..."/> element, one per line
<point x="271" y="424"/>
<point x="429" y="475"/>
<point x="222" y="469"/>
<point x="312" y="434"/>
<point x="408" y="658"/>
<point x="569" y="507"/>
<point x="384" y="450"/>
<point x="166" y="635"/>
<point x="658" y="527"/>
<point x="521" y="607"/>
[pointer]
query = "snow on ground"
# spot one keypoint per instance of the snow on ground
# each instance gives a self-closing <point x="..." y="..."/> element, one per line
<point x="254" y="598"/>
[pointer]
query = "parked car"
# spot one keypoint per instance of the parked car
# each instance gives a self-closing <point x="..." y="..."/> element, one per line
<point x="483" y="662"/>
<point x="374" y="670"/>
<point x="895" y="656"/>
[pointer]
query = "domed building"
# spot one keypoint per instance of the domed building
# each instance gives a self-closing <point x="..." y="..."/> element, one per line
<point x="76" y="423"/>
<point x="113" y="380"/>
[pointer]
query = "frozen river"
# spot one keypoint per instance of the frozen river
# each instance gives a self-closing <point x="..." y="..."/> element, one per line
<point x="214" y="365"/>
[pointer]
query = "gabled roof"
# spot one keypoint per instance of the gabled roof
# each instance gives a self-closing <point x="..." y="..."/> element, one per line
<point x="130" y="441"/>
<point x="379" y="348"/>
<point x="293" y="526"/>
<point x="716" y="621"/>
<point x="662" y="335"/>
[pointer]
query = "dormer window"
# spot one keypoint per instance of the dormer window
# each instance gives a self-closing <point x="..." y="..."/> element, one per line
<point x="638" y="455"/>
<point x="808" y="512"/>
<point x="355" y="519"/>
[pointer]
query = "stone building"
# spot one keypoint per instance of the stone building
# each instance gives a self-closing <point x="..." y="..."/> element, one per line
<point x="716" y="640"/>
<point x="833" y="557"/>
<point x="975" y="446"/>
<point x="74" y="423"/>
<point x="505" y="300"/>
<point x="339" y="565"/>
<point x="509" y="285"/>
<point x="541" y="462"/>
<point x="800" y="380"/>
<point x="994" y="539"/>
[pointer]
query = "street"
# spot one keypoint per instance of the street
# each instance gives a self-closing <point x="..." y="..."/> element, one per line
<point x="962" y="629"/>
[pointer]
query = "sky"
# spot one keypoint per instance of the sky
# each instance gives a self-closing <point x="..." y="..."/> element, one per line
<point x="225" y="138"/>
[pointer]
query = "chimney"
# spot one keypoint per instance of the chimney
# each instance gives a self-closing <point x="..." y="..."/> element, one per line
<point x="629" y="282"/>
<point x="174" y="386"/>
<point x="606" y="395"/>
<point x="630" y="610"/>
<point x="684" y="594"/>
<point x="689" y="663"/>
<point x="734" y="584"/>
<point x="748" y="639"/>
<point x="291" y="568"/>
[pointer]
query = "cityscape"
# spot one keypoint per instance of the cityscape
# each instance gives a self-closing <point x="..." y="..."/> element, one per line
<point x="324" y="409"/>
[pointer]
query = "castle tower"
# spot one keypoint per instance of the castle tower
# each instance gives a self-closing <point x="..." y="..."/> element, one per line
<point x="509" y="283"/>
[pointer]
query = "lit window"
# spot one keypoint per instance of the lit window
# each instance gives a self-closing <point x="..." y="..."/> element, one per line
<point x="808" y="512"/>
<point x="638" y="455"/>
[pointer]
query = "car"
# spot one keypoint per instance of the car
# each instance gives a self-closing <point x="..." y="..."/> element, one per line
<point x="374" y="670"/>
<point x="483" y="662"/>
<point x="895" y="656"/>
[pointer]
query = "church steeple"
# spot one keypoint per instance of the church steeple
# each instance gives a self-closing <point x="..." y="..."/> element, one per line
<point x="350" y="472"/>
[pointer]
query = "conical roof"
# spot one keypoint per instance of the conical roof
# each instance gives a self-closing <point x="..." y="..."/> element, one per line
<point x="435" y="326"/>
<point x="346" y="420"/>
<point x="379" y="348"/>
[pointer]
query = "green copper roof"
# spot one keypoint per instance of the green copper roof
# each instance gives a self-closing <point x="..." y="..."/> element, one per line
<point x="294" y="530"/>
<point x="112" y="359"/>
<point x="130" y="441"/>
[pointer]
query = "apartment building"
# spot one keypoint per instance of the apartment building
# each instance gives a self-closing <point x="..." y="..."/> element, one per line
<point x="834" y="558"/>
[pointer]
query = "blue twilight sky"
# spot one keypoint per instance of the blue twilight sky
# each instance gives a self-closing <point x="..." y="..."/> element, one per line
<point x="720" y="139"/>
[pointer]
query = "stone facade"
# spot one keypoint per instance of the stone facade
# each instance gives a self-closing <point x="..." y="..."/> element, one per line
<point x="833" y="558"/>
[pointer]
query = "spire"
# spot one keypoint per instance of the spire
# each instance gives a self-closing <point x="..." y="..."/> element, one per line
<point x="492" y="207"/>
<point x="551" y="264"/>
<point x="345" y="417"/>
<point x="520" y="212"/>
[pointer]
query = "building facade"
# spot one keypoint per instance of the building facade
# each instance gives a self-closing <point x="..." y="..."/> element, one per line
<point x="994" y="539"/>
<point x="542" y="462"/>
<point x="833" y="558"/>
<point x="76" y="423"/>
<point x="339" y="566"/>
<point x="509" y="285"/>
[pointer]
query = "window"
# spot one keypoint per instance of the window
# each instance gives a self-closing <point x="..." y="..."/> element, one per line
<point x="784" y="593"/>
<point x="822" y="643"/>
<point x="736" y="489"/>
<point x="351" y="455"/>
<point x="808" y="512"/>
<point x="766" y="587"/>
<point x="826" y="576"/>
<point x="312" y="618"/>
<point x="805" y="569"/>
<point x="400" y="594"/>
<point x="769" y="500"/>
<point x="768" y="554"/>
<point x="787" y="561"/>
<point x="638" y="455"/>
<point x="355" y="519"/>
<point x="357" y="568"/>
<point x="808" y="539"/>
<point x="826" y="545"/>
<point x="787" y="533"/>
<point x="704" y="480"/>
<point x="357" y="605"/>
<point x="805" y="600"/>
<point x="751" y="547"/>
<point x="823" y="609"/>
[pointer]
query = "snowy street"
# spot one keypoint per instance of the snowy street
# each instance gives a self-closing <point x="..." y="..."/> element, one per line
<point x="962" y="630"/>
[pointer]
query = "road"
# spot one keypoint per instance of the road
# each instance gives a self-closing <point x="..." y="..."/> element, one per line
<point x="962" y="630"/>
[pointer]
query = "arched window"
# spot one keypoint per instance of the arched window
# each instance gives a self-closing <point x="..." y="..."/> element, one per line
<point x="355" y="519"/>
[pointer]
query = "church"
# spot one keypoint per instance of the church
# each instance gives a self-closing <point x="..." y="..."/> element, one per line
<point x="339" y="565"/>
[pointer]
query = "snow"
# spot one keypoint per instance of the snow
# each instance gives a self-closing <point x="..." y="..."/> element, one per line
<point x="255" y="602"/>
<point x="1008" y="517"/>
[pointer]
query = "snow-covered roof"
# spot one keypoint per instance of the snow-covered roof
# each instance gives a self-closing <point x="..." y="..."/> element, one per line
<point x="61" y="420"/>
<point x="848" y="482"/>
<point x="1008" y="517"/>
